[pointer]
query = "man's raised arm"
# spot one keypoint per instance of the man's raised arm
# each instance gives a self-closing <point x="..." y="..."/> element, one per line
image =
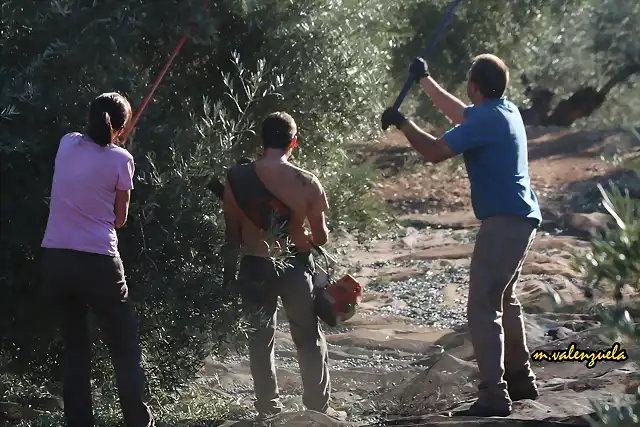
<point x="434" y="150"/>
<point x="448" y="104"/>
<point x="463" y="137"/>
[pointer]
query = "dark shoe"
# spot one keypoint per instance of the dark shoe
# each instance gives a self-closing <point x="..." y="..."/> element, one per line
<point x="521" y="386"/>
<point x="480" y="410"/>
<point x="522" y="392"/>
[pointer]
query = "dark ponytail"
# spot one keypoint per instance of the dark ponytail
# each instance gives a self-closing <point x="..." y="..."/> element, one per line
<point x="108" y="115"/>
<point x="100" y="129"/>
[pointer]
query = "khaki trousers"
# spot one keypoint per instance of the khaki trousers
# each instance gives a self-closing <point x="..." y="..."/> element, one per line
<point x="493" y="311"/>
<point x="260" y="285"/>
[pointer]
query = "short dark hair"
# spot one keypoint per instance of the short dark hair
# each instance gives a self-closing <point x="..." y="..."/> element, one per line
<point x="278" y="129"/>
<point x="108" y="114"/>
<point x="490" y="74"/>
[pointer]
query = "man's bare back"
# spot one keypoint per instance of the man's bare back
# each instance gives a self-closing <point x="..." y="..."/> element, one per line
<point x="300" y="191"/>
<point x="258" y="187"/>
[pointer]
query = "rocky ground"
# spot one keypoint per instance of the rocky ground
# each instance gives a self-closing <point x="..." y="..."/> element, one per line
<point x="405" y="358"/>
<point x="406" y="354"/>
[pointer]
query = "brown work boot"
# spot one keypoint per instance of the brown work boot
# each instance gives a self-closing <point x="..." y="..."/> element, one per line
<point x="339" y="415"/>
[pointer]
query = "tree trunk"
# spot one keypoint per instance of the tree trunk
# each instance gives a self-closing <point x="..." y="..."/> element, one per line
<point x="581" y="104"/>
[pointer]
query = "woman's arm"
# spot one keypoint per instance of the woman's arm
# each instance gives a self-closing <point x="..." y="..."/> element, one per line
<point x="121" y="207"/>
<point x="124" y="185"/>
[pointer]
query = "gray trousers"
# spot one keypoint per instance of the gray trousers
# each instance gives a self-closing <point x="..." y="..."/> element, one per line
<point x="494" y="313"/>
<point x="261" y="283"/>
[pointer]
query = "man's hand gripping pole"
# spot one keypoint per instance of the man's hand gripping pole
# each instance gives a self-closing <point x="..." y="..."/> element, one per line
<point x="425" y="53"/>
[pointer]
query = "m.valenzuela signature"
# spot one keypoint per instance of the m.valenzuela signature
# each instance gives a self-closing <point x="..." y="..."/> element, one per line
<point x="573" y="354"/>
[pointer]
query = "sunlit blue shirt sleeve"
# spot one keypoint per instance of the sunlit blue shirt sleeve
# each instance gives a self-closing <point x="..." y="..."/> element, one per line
<point x="468" y="134"/>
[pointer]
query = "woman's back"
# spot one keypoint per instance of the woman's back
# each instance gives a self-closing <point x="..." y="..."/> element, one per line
<point x="83" y="194"/>
<point x="81" y="266"/>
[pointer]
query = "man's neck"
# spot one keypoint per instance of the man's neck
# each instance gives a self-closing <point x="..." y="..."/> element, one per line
<point x="483" y="100"/>
<point x="479" y="100"/>
<point x="275" y="156"/>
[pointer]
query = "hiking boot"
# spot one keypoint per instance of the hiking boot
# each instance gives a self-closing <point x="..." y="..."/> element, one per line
<point x="479" y="409"/>
<point x="339" y="415"/>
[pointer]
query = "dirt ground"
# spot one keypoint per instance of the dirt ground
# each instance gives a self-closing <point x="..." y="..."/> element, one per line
<point x="407" y="351"/>
<point x="557" y="158"/>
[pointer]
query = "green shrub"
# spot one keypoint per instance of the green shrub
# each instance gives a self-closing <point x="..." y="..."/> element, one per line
<point x="560" y="45"/>
<point x="611" y="263"/>
<point x="245" y="60"/>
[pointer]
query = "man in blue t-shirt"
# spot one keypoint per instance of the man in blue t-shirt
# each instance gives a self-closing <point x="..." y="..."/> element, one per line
<point x="492" y="139"/>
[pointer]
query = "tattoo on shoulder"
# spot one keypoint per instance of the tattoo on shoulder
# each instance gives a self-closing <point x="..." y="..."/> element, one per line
<point x="304" y="177"/>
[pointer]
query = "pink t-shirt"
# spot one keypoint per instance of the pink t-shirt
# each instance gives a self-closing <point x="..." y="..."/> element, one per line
<point x="81" y="211"/>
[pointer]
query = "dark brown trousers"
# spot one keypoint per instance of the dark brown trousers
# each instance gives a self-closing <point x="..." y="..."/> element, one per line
<point x="76" y="281"/>
<point x="494" y="313"/>
<point x="261" y="283"/>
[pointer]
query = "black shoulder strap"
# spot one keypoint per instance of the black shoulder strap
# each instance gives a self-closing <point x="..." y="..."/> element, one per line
<point x="264" y="209"/>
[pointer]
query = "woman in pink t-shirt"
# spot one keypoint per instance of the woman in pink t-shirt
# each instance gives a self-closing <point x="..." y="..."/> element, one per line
<point x="92" y="182"/>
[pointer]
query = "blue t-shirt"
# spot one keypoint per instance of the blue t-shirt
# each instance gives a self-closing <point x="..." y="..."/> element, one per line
<point x="493" y="141"/>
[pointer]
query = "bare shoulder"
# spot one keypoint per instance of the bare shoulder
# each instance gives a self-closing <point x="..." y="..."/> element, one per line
<point x="308" y="179"/>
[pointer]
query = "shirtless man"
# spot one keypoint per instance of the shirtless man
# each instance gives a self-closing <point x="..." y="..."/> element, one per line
<point x="260" y="281"/>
